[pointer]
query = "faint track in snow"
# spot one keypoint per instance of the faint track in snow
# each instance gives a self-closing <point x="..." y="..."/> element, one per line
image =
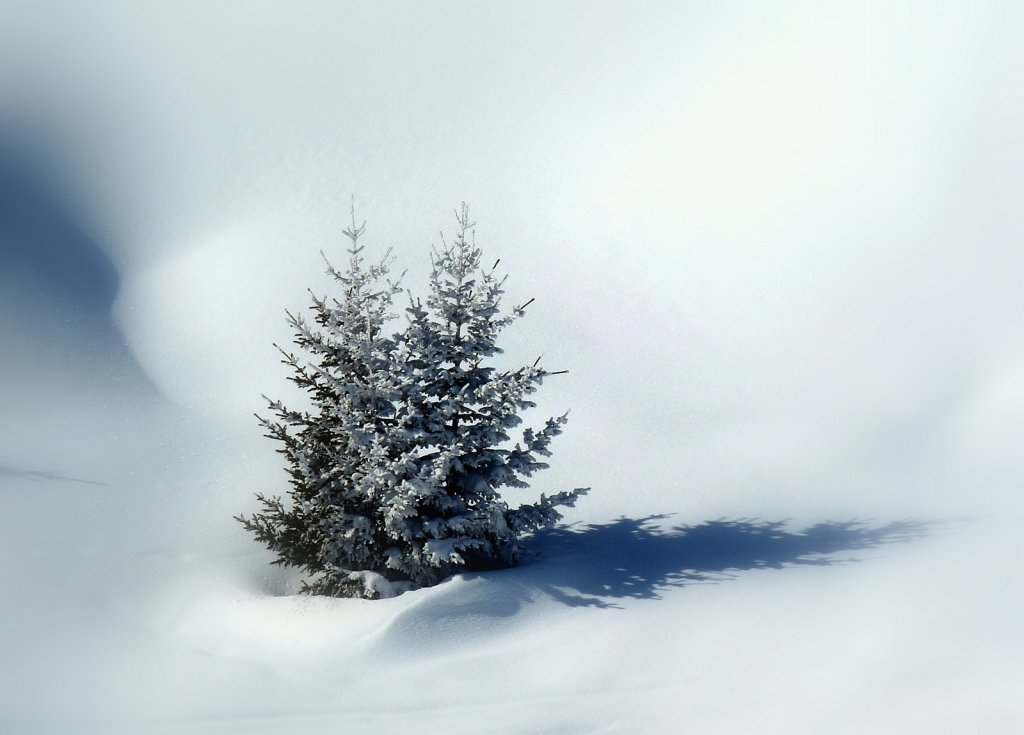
<point x="39" y="476"/>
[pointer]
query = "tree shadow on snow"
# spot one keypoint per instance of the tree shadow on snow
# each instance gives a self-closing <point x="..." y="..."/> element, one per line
<point x="639" y="558"/>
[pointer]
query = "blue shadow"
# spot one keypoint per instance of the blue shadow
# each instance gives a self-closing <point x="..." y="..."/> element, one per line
<point x="639" y="558"/>
<point x="57" y="288"/>
<point x="44" y="253"/>
<point x="603" y="565"/>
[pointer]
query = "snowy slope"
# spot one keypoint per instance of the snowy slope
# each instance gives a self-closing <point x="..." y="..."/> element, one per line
<point x="778" y="249"/>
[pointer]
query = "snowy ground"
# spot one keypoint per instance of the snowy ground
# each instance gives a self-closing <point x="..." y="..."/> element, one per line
<point x="778" y="248"/>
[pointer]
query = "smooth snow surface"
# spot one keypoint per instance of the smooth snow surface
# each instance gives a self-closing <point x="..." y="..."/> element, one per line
<point x="778" y="247"/>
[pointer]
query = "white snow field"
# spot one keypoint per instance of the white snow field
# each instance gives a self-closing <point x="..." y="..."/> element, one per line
<point x="777" y="246"/>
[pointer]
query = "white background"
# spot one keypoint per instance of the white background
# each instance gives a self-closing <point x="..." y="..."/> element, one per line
<point x="778" y="248"/>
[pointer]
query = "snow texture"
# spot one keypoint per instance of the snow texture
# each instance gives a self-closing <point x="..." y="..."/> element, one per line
<point x="777" y="246"/>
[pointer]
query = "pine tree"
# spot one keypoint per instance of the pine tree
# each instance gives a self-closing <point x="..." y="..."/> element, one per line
<point x="396" y="472"/>
<point x="328" y="529"/>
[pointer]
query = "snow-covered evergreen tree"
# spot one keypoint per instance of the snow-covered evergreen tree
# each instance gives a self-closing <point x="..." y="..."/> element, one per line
<point x="459" y="412"/>
<point x="329" y="527"/>
<point x="396" y="473"/>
